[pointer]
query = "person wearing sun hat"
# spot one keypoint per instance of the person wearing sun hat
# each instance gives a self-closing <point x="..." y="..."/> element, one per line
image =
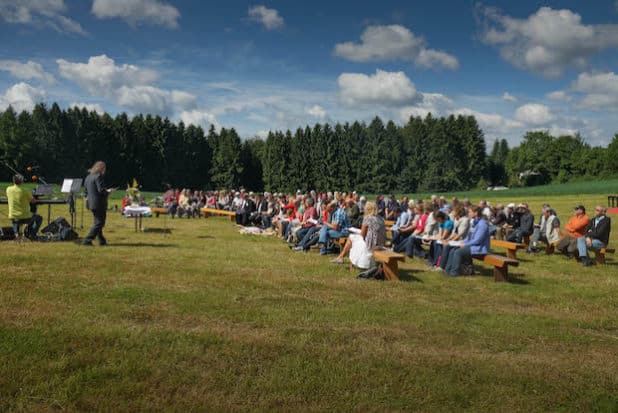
<point x="575" y="229"/>
<point x="526" y="224"/>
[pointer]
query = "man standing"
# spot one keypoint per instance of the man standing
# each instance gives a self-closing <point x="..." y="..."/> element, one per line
<point x="96" y="197"/>
<point x="19" y="200"/>
<point x="596" y="235"/>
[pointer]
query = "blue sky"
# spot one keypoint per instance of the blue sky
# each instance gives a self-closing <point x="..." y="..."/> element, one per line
<point x="258" y="66"/>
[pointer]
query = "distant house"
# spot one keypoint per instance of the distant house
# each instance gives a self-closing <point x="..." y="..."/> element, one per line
<point x="531" y="178"/>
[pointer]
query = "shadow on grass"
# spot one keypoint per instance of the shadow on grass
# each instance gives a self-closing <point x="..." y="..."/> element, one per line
<point x="408" y="275"/>
<point x="158" y="230"/>
<point x="516" y="279"/>
<point x="611" y="262"/>
<point x="489" y="272"/>
<point x="140" y="244"/>
<point x="205" y="237"/>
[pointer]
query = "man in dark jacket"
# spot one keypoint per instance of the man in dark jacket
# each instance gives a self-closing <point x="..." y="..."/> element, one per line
<point x="526" y="224"/>
<point x="96" y="197"/>
<point x="596" y="235"/>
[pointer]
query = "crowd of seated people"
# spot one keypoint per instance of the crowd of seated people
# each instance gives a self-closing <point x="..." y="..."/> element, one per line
<point x="446" y="233"/>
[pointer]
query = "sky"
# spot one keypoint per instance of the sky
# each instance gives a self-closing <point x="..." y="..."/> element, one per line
<point x="276" y="65"/>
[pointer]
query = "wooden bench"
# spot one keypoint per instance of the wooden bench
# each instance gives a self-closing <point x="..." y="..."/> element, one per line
<point x="501" y="265"/>
<point x="550" y="248"/>
<point x="599" y="256"/>
<point x="159" y="210"/>
<point x="390" y="263"/>
<point x="511" y="247"/>
<point x="212" y="211"/>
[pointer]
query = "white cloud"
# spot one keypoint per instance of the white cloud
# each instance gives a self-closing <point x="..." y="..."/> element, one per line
<point x="90" y="107"/>
<point x="558" y="95"/>
<point x="548" y="41"/>
<point x="128" y="85"/>
<point x="39" y="13"/>
<point x="600" y="90"/>
<point x="28" y="70"/>
<point x="101" y="75"/>
<point x="394" y="42"/>
<point x="508" y="97"/>
<point x="534" y="114"/>
<point x="270" y="18"/>
<point x="492" y="123"/>
<point x="387" y="88"/>
<point x="199" y="118"/>
<point x="435" y="103"/>
<point x="227" y="86"/>
<point x="316" y="111"/>
<point x="154" y="100"/>
<point x="560" y="131"/>
<point x="22" y="96"/>
<point x="135" y="12"/>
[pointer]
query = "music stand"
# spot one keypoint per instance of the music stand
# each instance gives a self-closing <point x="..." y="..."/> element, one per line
<point x="45" y="189"/>
<point x="72" y="186"/>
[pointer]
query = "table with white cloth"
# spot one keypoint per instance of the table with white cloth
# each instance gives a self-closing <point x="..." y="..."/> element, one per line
<point x="137" y="212"/>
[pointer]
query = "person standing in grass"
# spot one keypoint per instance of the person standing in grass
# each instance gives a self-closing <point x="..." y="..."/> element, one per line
<point x="96" y="199"/>
<point x="19" y="200"/>
<point x="596" y="235"/>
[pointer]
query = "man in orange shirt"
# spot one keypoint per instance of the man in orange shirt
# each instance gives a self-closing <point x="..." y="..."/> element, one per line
<point x="575" y="229"/>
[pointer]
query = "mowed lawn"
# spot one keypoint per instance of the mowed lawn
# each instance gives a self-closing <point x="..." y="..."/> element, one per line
<point x="207" y="319"/>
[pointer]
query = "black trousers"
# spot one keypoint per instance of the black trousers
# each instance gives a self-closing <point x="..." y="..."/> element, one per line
<point x="97" y="228"/>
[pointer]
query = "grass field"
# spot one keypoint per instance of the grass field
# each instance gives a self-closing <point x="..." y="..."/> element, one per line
<point x="598" y="187"/>
<point x="207" y="319"/>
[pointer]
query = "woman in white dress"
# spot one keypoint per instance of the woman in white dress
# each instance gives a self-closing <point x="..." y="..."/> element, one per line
<point x="360" y="245"/>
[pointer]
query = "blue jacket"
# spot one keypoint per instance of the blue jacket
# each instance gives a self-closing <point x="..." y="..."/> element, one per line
<point x="478" y="240"/>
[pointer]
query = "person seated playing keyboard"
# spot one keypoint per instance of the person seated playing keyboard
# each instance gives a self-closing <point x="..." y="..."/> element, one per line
<point x="19" y="200"/>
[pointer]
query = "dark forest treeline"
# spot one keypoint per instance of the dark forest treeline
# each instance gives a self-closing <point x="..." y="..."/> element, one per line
<point x="430" y="154"/>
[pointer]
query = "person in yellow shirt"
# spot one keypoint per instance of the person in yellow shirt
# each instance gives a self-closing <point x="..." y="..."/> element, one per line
<point x="19" y="200"/>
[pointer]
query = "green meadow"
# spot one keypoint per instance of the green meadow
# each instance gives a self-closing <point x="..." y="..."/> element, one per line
<point x="205" y="319"/>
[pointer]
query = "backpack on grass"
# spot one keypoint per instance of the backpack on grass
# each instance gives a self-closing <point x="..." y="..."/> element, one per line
<point x="59" y="230"/>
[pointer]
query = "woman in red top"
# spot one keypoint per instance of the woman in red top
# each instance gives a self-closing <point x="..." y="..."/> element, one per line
<point x="412" y="244"/>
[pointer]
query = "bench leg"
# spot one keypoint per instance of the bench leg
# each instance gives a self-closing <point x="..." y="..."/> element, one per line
<point x="391" y="270"/>
<point x="501" y="274"/>
<point x="599" y="258"/>
<point x="512" y="254"/>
